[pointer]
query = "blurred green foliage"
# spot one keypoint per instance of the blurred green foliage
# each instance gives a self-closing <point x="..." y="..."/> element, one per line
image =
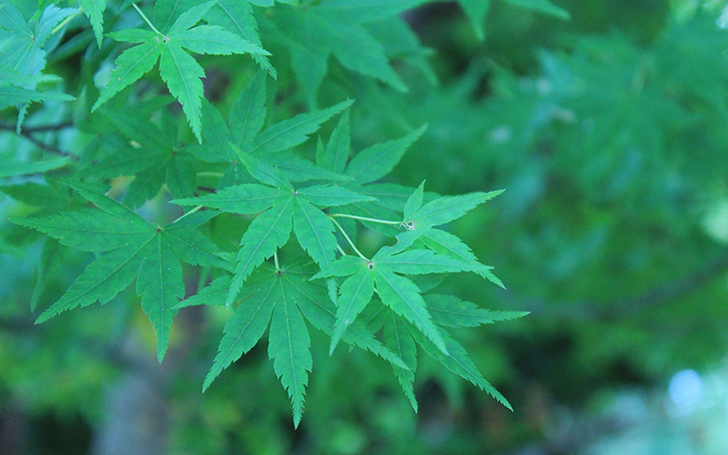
<point x="608" y="132"/>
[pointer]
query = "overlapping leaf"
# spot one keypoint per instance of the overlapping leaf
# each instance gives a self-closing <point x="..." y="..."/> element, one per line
<point x="314" y="32"/>
<point x="246" y="133"/>
<point x="23" y="53"/>
<point x="178" y="69"/>
<point x="283" y="209"/>
<point x="280" y="300"/>
<point x="133" y="248"/>
<point x="154" y="158"/>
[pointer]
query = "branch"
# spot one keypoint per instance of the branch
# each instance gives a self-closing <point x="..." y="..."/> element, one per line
<point x="629" y="306"/>
<point x="39" y="128"/>
<point x="25" y="133"/>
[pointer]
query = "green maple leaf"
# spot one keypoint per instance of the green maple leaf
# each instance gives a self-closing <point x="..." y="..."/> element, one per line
<point x="384" y="273"/>
<point x="314" y="32"/>
<point x="235" y="16"/>
<point x="280" y="299"/>
<point x="365" y="168"/>
<point x="132" y="247"/>
<point x="22" y="52"/>
<point x="245" y="132"/>
<point x="154" y="158"/>
<point x="283" y="209"/>
<point x="178" y="69"/>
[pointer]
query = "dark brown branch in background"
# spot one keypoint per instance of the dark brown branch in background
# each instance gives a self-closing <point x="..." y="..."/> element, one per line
<point x="38" y="128"/>
<point x="25" y="133"/>
<point x="628" y="306"/>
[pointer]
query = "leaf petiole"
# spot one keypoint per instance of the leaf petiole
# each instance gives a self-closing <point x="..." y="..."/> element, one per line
<point x="275" y="260"/>
<point x="343" y="232"/>
<point x="146" y="20"/>
<point x="65" y="21"/>
<point x="363" y="218"/>
<point x="190" y="212"/>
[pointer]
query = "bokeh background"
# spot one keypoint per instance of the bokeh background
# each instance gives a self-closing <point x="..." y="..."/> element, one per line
<point x="609" y="132"/>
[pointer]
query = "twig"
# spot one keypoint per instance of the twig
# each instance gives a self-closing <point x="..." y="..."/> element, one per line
<point x="39" y="128"/>
<point x="46" y="147"/>
<point x="628" y="306"/>
<point x="26" y="134"/>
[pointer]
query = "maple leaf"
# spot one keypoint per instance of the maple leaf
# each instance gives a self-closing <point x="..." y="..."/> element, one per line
<point x="280" y="299"/>
<point x="22" y="52"/>
<point x="245" y="132"/>
<point x="133" y="247"/>
<point x="178" y="69"/>
<point x="384" y="273"/>
<point x="283" y="209"/>
<point x="314" y="32"/>
<point x="364" y="169"/>
<point x="235" y="16"/>
<point x="154" y="157"/>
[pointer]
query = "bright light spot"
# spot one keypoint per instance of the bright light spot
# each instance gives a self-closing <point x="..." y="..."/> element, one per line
<point x="500" y="134"/>
<point x="723" y="19"/>
<point x="715" y="221"/>
<point x="686" y="389"/>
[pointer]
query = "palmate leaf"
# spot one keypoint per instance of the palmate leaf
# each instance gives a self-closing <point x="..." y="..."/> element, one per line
<point x="244" y="138"/>
<point x="281" y="299"/>
<point x="397" y="292"/>
<point x="134" y="248"/>
<point x="283" y="209"/>
<point x="23" y="48"/>
<point x="178" y="69"/>
<point x="156" y="162"/>
<point x="235" y="16"/>
<point x="314" y="32"/>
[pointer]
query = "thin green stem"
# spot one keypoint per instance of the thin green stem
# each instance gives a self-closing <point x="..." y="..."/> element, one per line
<point x="190" y="212"/>
<point x="65" y="21"/>
<point x="341" y="250"/>
<point x="275" y="261"/>
<point x="363" y="218"/>
<point x="209" y="174"/>
<point x="146" y="20"/>
<point x="343" y="232"/>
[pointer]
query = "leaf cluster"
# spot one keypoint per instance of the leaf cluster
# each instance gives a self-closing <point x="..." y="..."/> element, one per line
<point x="243" y="170"/>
